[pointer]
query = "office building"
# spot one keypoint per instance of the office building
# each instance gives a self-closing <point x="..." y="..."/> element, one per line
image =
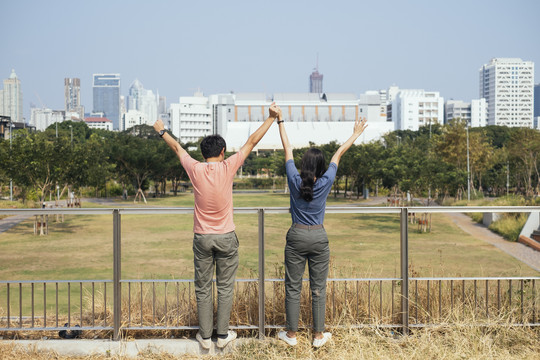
<point x="412" y="109"/>
<point x="507" y="86"/>
<point x="191" y="118"/>
<point x="72" y="97"/>
<point x="106" y="91"/>
<point x="11" y="99"/>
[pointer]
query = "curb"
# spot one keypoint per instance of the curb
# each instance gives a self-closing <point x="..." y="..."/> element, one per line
<point x="132" y="348"/>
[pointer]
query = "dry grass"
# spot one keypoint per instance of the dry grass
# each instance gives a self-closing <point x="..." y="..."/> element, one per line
<point x="459" y="341"/>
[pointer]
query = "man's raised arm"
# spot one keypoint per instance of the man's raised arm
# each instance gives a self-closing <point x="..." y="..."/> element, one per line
<point x="259" y="133"/>
<point x="173" y="144"/>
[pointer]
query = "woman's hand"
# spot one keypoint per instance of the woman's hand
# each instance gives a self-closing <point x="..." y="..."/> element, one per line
<point x="359" y="126"/>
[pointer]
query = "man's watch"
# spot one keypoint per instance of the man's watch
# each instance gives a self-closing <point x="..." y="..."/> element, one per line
<point x="161" y="133"/>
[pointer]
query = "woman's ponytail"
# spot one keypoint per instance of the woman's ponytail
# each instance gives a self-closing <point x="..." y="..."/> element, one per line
<point x="313" y="167"/>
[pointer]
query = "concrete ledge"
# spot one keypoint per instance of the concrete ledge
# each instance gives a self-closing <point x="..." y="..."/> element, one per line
<point x="124" y="348"/>
<point x="529" y="242"/>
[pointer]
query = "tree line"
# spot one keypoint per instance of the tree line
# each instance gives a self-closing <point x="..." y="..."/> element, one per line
<point x="430" y="161"/>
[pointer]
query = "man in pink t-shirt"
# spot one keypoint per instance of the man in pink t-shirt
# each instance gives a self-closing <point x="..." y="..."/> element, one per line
<point x="215" y="240"/>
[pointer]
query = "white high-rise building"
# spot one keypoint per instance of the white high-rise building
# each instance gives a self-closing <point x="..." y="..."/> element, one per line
<point x="11" y="103"/>
<point x="478" y="112"/>
<point x="42" y="118"/>
<point x="191" y="118"/>
<point x="144" y="101"/>
<point x="507" y="85"/>
<point x="412" y="109"/>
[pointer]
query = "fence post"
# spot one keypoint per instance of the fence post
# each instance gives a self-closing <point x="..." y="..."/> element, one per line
<point x="117" y="290"/>
<point x="404" y="249"/>
<point x="261" y="274"/>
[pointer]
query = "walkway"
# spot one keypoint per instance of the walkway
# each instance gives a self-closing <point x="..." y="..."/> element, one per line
<point x="11" y="221"/>
<point x="521" y="252"/>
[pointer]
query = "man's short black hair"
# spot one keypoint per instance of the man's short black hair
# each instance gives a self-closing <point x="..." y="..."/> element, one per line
<point x="212" y="145"/>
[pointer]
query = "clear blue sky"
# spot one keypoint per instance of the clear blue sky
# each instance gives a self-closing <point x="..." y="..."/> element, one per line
<point x="262" y="46"/>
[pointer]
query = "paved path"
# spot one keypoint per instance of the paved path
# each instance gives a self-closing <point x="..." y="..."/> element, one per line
<point x="11" y="221"/>
<point x="521" y="252"/>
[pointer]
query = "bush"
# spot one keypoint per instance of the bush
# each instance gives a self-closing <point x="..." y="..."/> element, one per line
<point x="509" y="226"/>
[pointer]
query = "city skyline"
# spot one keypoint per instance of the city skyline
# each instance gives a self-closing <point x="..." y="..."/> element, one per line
<point x="261" y="47"/>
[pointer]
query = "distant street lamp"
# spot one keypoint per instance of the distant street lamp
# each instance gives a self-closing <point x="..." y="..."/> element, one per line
<point x="10" y="180"/>
<point x="71" y="128"/>
<point x="56" y="128"/>
<point x="468" y="167"/>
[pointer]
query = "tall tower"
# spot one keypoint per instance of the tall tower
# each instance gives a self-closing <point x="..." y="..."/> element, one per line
<point x="11" y="103"/>
<point x="315" y="80"/>
<point x="507" y="86"/>
<point x="106" y="89"/>
<point x="72" y="96"/>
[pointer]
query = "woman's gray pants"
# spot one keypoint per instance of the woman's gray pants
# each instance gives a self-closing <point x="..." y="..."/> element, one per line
<point x="302" y="245"/>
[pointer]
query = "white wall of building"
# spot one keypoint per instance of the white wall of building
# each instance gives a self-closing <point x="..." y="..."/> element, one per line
<point x="507" y="85"/>
<point x="99" y="123"/>
<point x="132" y="118"/>
<point x="42" y="118"/>
<point x="478" y="112"/>
<point x="191" y="118"/>
<point x="412" y="109"/>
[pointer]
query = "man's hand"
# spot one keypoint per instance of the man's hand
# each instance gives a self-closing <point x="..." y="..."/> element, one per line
<point x="158" y="125"/>
<point x="273" y="110"/>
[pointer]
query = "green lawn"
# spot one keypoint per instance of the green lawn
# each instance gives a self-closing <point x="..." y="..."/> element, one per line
<point x="159" y="246"/>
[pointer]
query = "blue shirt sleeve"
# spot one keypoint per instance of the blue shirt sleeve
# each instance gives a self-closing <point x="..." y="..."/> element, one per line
<point x="292" y="174"/>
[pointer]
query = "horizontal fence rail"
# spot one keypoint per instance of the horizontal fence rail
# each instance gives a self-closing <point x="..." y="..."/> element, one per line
<point x="402" y="302"/>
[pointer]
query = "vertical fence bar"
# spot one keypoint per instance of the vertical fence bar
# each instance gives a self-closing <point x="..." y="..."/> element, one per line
<point x="69" y="304"/>
<point x="117" y="274"/>
<point x="141" y="303"/>
<point x="404" y="249"/>
<point x="20" y="305"/>
<point x="487" y="298"/>
<point x="166" y="315"/>
<point x="44" y="304"/>
<point x="534" y="300"/>
<point x="8" y="307"/>
<point x="261" y="274"/>
<point x="129" y="303"/>
<point x="521" y="299"/>
<point x="56" y="304"/>
<point x="452" y="296"/>
<point x="93" y="304"/>
<point x="80" y="304"/>
<point x="33" y="317"/>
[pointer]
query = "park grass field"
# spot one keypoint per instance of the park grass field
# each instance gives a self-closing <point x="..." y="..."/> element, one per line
<point x="159" y="246"/>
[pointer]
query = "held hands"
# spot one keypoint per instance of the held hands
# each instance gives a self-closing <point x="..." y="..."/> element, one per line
<point x="158" y="125"/>
<point x="359" y="126"/>
<point x="274" y="110"/>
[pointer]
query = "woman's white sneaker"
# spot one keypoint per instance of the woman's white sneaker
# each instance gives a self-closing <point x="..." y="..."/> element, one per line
<point x="282" y="335"/>
<point x="320" y="342"/>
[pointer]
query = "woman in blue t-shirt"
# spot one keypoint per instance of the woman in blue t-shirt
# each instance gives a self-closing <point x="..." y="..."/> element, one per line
<point x="307" y="239"/>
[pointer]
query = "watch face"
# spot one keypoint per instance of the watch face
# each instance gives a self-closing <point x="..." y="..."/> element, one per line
<point x="161" y="132"/>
